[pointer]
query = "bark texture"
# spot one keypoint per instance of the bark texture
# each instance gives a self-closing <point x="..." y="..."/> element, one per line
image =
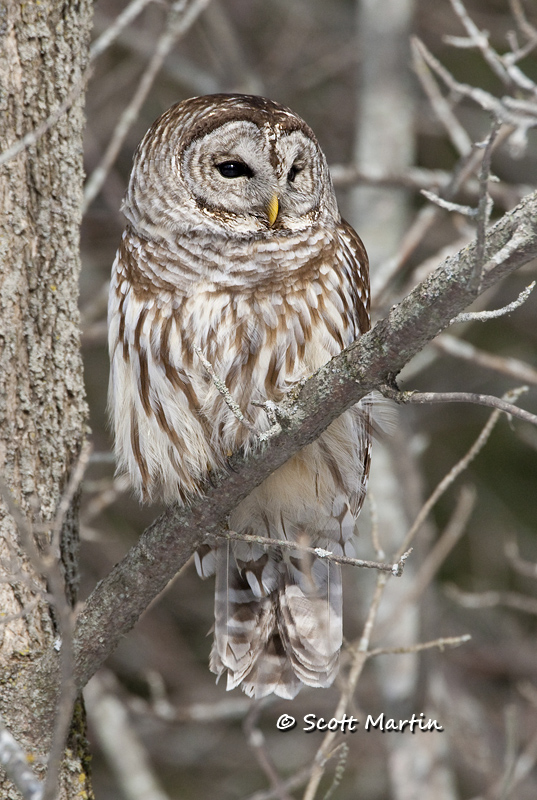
<point x="43" y="53"/>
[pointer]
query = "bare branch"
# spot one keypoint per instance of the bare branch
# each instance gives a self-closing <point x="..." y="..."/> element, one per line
<point x="182" y="15"/>
<point x="468" y="352"/>
<point x="442" y="643"/>
<point x="441" y="107"/>
<point x="257" y="742"/>
<point x="123" y="19"/>
<point x="295" y="782"/>
<point x="504" y="194"/>
<point x="522" y="119"/>
<point x="479" y="39"/>
<point x="467" y="211"/>
<point x="504" y="67"/>
<point x="464" y="397"/>
<point x="427" y="216"/>
<point x="233" y="708"/>
<point x="121" y="746"/>
<point x="522" y="21"/>
<point x="483" y="316"/>
<point x="519" y="602"/>
<point x="454" y="473"/>
<point x="527" y="568"/>
<point x="442" y="547"/>
<point x="359" y="658"/>
<point x="375" y="525"/>
<point x="395" y="569"/>
<point x="484" y="207"/>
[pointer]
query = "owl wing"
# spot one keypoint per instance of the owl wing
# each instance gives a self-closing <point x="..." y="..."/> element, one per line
<point x="357" y="262"/>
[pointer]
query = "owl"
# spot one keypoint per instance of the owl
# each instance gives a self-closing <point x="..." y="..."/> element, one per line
<point x="234" y="248"/>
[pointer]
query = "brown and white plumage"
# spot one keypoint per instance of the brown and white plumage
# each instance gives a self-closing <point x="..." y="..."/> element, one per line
<point x="268" y="291"/>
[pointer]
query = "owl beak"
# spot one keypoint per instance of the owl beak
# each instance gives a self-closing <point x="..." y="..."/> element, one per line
<point x="272" y="209"/>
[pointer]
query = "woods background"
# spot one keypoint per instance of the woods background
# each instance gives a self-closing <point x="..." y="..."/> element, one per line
<point x="159" y="727"/>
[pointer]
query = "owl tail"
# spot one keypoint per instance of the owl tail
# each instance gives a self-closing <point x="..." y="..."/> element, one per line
<point x="277" y="619"/>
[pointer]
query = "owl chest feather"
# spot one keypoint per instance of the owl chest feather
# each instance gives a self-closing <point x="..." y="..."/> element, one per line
<point x="261" y="326"/>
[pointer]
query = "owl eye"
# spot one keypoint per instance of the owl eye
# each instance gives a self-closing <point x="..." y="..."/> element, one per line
<point x="293" y="172"/>
<point x="234" y="169"/>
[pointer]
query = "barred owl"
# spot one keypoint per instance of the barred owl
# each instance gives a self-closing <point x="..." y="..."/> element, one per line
<point x="234" y="247"/>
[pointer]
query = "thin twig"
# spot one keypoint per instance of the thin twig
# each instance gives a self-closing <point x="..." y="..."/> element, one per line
<point x="503" y="66"/>
<point x="343" y="749"/>
<point x="428" y="216"/>
<point x="527" y="568"/>
<point x="375" y="526"/>
<point x="521" y="119"/>
<point x="235" y="708"/>
<point x="23" y="613"/>
<point x="181" y="16"/>
<point x="483" y="316"/>
<point x="359" y="659"/>
<point x="453" y="474"/>
<point x="467" y="211"/>
<point x="478" y="39"/>
<point x="395" y="569"/>
<point x="226" y="394"/>
<point x="119" y="742"/>
<point x="257" y="742"/>
<point x="484" y="207"/>
<point x="459" y="348"/>
<point x="465" y="397"/>
<point x="441" y="107"/>
<point x="519" y="602"/>
<point x="518" y="12"/>
<point x="111" y="33"/>
<point x="75" y="479"/>
<point x="440" y="551"/>
<point x="434" y="559"/>
<point x="417" y="178"/>
<point x="295" y="782"/>
<point x="443" y="642"/>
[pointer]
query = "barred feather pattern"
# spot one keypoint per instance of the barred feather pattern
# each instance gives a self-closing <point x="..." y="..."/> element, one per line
<point x="267" y="302"/>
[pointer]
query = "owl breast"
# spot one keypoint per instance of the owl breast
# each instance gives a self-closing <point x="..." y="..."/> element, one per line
<point x="263" y="321"/>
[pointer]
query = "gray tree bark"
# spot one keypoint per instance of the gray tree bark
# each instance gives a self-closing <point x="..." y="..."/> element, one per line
<point x="43" y="54"/>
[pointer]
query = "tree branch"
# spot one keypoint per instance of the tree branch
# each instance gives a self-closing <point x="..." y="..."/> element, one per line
<point x="488" y="400"/>
<point x="118" y="601"/>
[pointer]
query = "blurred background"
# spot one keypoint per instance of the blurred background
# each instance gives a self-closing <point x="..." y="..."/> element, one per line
<point x="389" y="126"/>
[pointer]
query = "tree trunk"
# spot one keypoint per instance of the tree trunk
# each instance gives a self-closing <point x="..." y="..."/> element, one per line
<point x="43" y="54"/>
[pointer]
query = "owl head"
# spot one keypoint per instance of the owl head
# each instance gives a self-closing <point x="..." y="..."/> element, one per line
<point x="235" y="164"/>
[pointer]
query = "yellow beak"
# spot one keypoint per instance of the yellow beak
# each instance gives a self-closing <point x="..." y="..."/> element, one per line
<point x="272" y="209"/>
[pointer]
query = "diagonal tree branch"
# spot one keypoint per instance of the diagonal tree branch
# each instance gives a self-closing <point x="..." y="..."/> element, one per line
<point x="375" y="359"/>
